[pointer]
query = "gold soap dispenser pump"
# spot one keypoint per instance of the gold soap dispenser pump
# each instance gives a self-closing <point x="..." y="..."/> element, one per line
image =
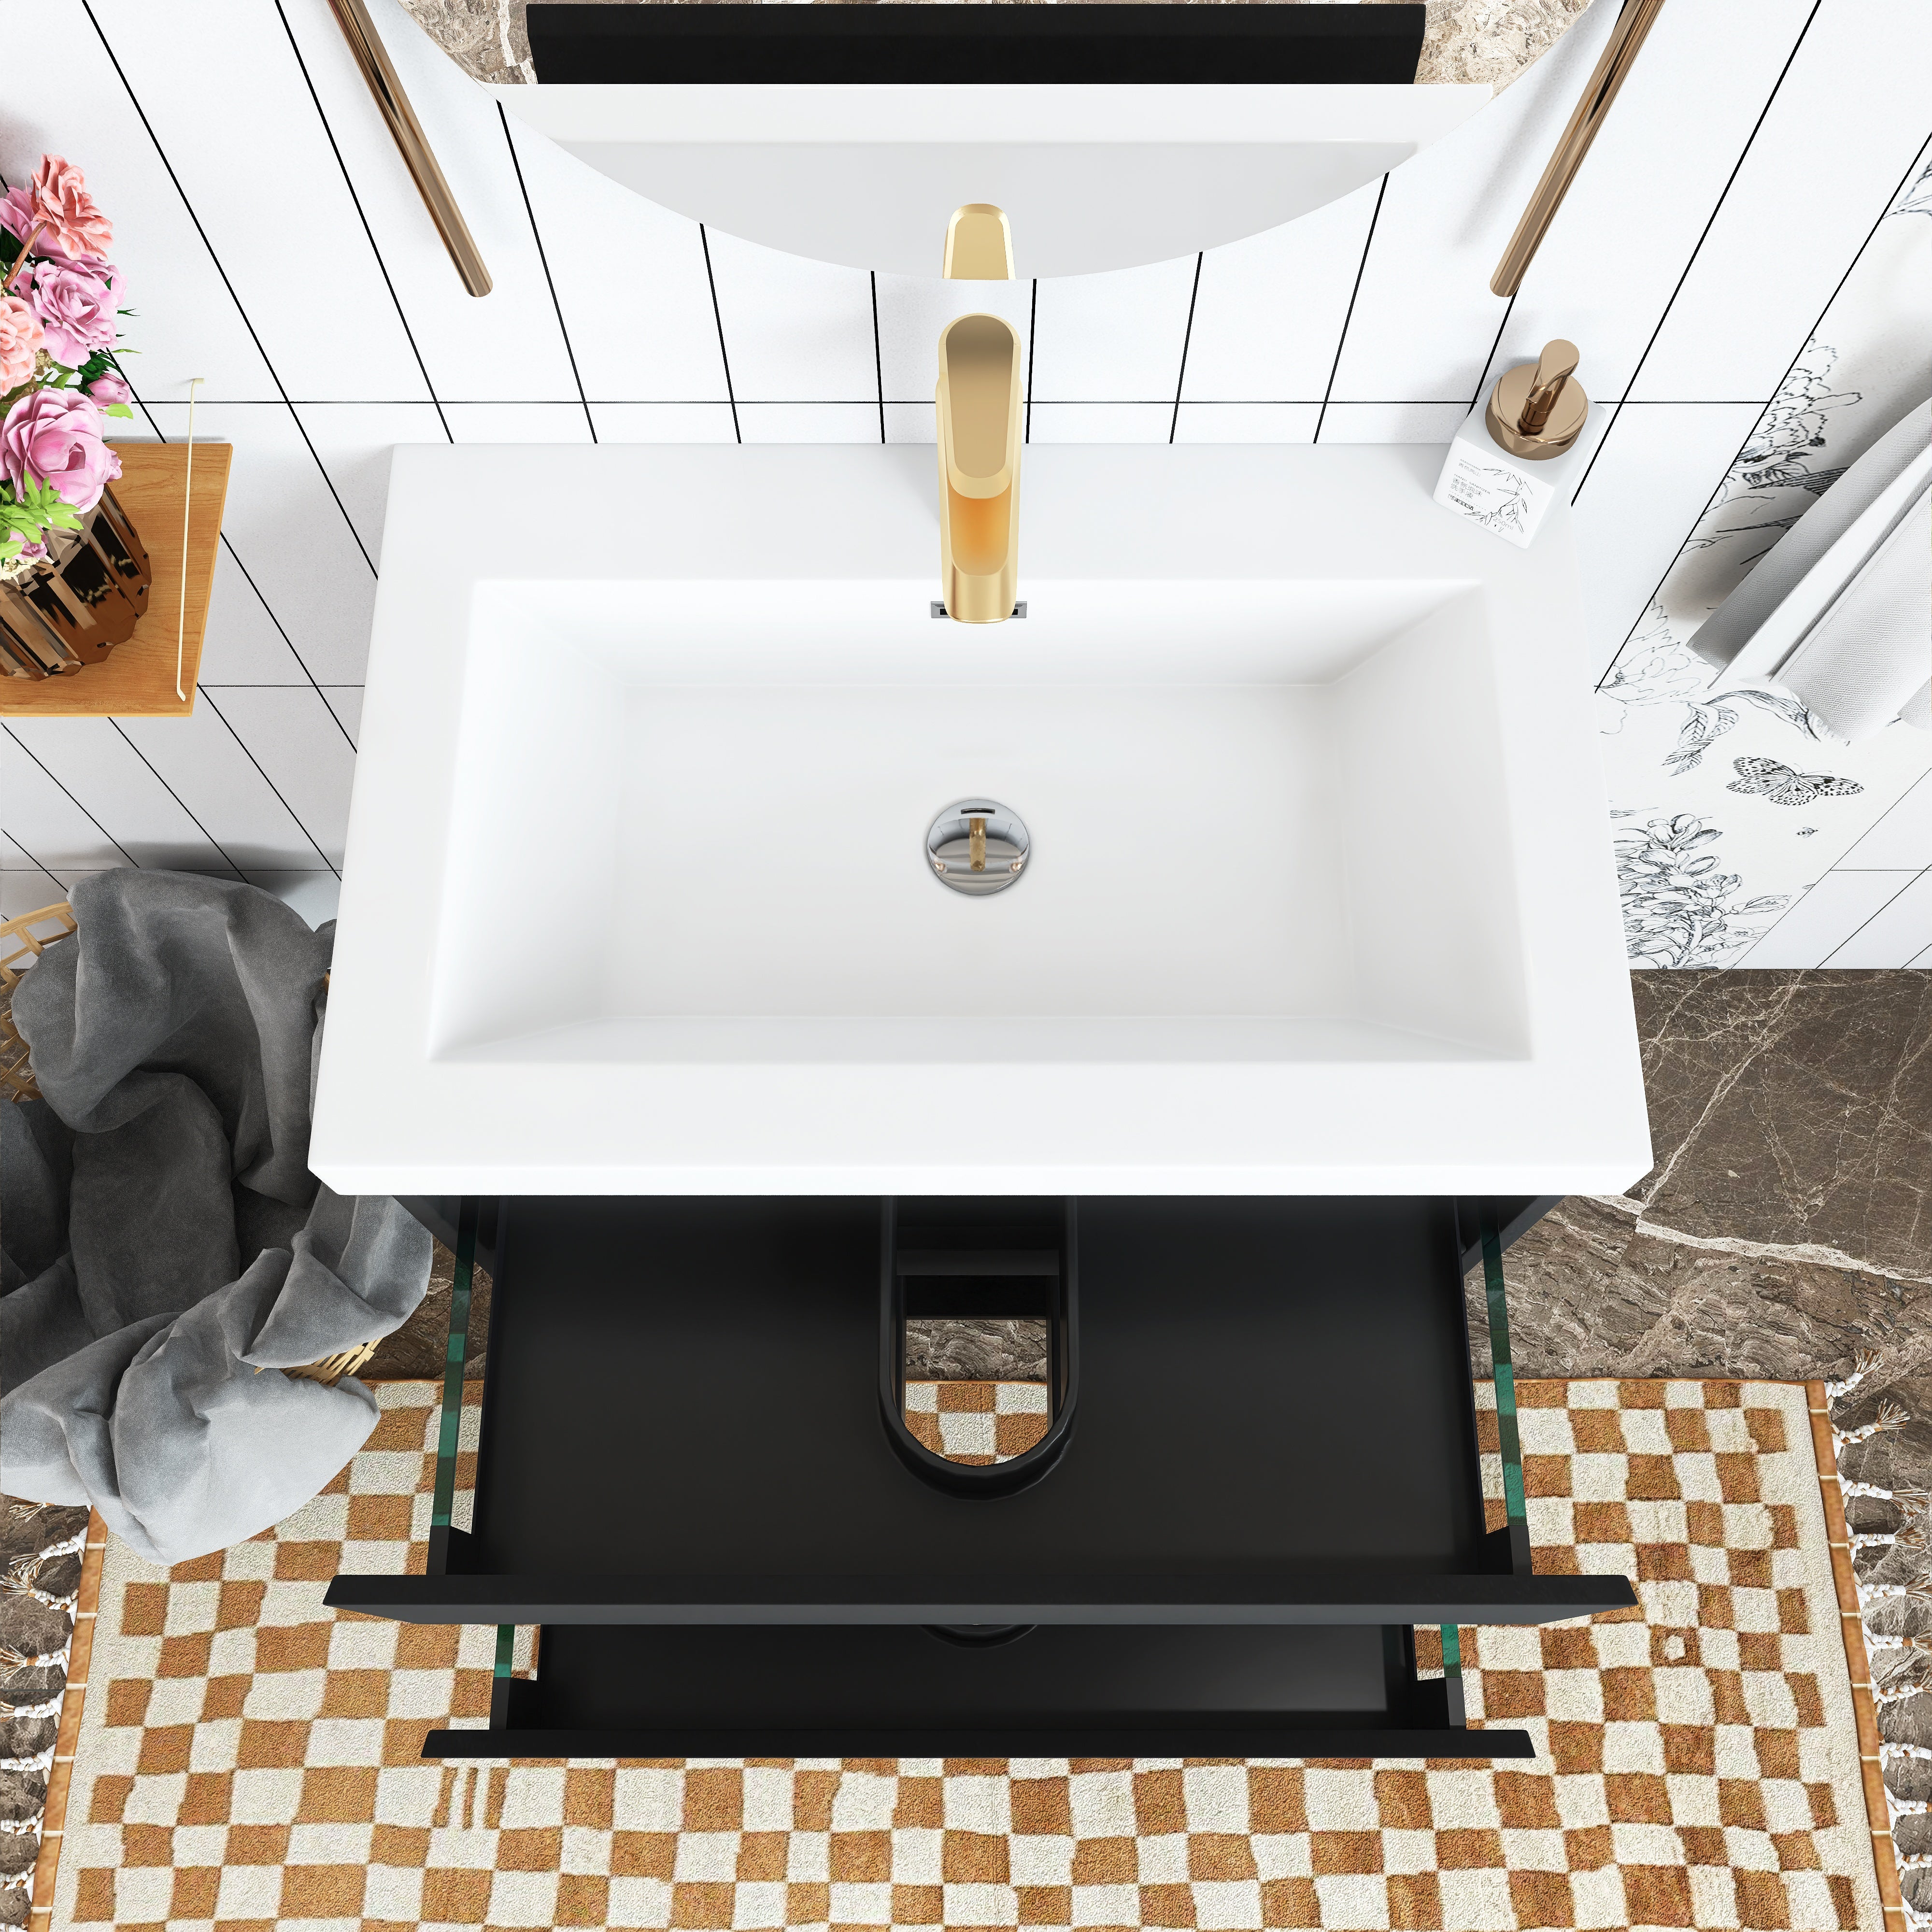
<point x="1534" y="416"/>
<point x="1537" y="409"/>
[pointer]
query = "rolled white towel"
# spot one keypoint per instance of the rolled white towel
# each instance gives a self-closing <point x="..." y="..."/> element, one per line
<point x="1840" y="613"/>
<point x="1863" y="663"/>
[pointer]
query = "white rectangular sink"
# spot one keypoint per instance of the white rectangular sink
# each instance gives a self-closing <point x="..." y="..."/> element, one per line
<point x="638" y="900"/>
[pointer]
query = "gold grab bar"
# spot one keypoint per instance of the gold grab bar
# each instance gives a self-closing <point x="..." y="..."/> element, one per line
<point x="372" y="57"/>
<point x="1626" y="37"/>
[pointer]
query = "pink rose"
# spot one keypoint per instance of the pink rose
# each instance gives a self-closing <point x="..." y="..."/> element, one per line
<point x="109" y="390"/>
<point x="21" y="337"/>
<point x="53" y="436"/>
<point x="75" y="303"/>
<point x="57" y="203"/>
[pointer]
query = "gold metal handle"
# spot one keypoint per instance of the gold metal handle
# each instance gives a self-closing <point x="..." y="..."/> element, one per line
<point x="372" y="57"/>
<point x="1635" y="21"/>
<point x="976" y="846"/>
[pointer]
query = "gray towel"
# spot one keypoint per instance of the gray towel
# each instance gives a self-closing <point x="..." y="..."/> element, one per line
<point x="162" y="1241"/>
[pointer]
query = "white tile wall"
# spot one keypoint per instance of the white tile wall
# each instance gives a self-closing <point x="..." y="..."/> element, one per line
<point x="1655" y="471"/>
<point x="88" y="758"/>
<point x="243" y="643"/>
<point x="802" y="331"/>
<point x="51" y="829"/>
<point x="1268" y="316"/>
<point x="65" y="95"/>
<point x="1114" y="338"/>
<point x="262" y="179"/>
<point x="289" y="730"/>
<point x="291" y="531"/>
<point x="1902" y="839"/>
<point x="1824" y="919"/>
<point x="508" y="346"/>
<point x="663" y="422"/>
<point x="273" y="244"/>
<point x="353" y="441"/>
<point x="809" y="422"/>
<point x="206" y="766"/>
<point x="1247" y="422"/>
<point x="1901" y="928"/>
<point x="24" y="887"/>
<point x="1102" y="422"/>
<point x="1733" y="331"/>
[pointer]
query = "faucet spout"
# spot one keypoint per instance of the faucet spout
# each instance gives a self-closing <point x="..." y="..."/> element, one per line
<point x="979" y="400"/>
<point x="978" y="403"/>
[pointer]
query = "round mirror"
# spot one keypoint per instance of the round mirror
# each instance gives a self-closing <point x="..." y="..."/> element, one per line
<point x="1113" y="136"/>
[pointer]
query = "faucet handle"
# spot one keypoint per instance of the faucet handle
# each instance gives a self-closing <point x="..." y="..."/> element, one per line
<point x="979" y="244"/>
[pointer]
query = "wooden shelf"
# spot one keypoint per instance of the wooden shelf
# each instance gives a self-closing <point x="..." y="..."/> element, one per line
<point x="137" y="678"/>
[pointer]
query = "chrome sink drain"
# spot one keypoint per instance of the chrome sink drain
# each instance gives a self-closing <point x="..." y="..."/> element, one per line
<point x="977" y="847"/>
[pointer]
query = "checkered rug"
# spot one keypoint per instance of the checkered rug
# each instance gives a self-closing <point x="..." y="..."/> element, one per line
<point x="977" y="1422"/>
<point x="247" y="1760"/>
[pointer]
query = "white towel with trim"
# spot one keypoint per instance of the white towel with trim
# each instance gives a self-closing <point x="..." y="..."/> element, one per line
<point x="1840" y="613"/>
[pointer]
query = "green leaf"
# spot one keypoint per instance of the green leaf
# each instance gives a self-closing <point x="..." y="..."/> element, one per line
<point x="118" y="410"/>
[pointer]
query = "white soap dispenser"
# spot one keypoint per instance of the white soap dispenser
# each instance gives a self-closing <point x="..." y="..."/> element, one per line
<point x="1511" y="458"/>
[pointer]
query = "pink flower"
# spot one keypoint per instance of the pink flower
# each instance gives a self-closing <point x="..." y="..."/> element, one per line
<point x="109" y="389"/>
<point x="75" y="303"/>
<point x="21" y="337"/>
<point x="53" y="436"/>
<point x="57" y="203"/>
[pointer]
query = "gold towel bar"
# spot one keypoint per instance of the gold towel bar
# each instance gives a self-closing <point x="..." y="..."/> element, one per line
<point x="372" y="57"/>
<point x="1626" y="37"/>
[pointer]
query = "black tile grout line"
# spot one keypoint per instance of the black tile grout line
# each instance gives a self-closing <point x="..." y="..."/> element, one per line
<point x="543" y="262"/>
<point x="1799" y="898"/>
<point x="1923" y="779"/>
<point x="718" y="317"/>
<point x="1032" y="343"/>
<point x="1690" y="261"/>
<point x="897" y="402"/>
<point x="71" y="799"/>
<point x="274" y="375"/>
<point x="1348" y="314"/>
<point x="1858" y="255"/>
<point x="1489" y="361"/>
<point x="176" y="795"/>
<point x="878" y="354"/>
<point x="271" y="784"/>
<point x="247" y="578"/>
<point x="355" y="200"/>
<point x="52" y="877"/>
<point x="1187" y="336"/>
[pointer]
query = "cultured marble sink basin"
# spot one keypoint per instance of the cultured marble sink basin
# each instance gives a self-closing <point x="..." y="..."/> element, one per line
<point x="1319" y="897"/>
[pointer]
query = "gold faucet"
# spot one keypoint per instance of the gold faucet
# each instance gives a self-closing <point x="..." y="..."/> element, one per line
<point x="979" y="405"/>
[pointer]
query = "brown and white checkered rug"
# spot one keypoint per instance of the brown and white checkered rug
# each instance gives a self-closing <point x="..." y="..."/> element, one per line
<point x="246" y="1759"/>
<point x="977" y="1422"/>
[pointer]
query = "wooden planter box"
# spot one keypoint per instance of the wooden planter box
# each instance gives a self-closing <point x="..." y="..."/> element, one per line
<point x="136" y="677"/>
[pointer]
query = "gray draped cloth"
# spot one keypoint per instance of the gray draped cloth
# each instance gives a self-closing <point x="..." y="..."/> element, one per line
<point x="163" y="1244"/>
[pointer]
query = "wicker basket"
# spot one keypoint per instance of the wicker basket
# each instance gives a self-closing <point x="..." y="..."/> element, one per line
<point x="22" y="941"/>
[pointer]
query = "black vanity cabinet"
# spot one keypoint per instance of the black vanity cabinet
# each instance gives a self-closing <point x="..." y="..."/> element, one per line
<point x="1263" y="1474"/>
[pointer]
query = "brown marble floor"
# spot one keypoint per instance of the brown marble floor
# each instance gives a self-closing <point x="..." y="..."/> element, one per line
<point x="1787" y="1222"/>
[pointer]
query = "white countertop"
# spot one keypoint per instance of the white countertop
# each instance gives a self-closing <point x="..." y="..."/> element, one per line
<point x="1378" y="952"/>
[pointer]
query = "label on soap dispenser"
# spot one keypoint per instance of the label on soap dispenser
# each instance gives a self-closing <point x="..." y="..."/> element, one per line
<point x="1481" y="482"/>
